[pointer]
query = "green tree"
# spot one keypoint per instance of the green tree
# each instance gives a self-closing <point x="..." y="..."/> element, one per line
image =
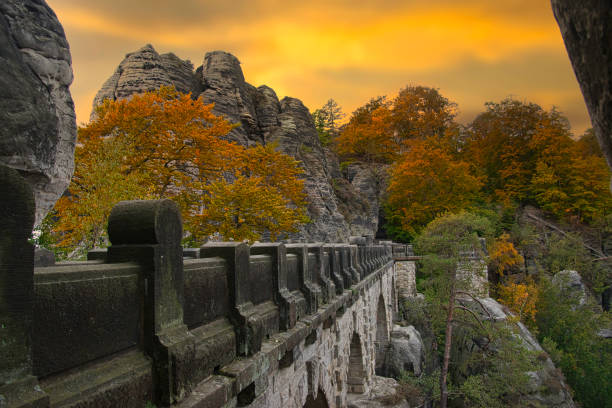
<point x="327" y="121"/>
<point x="443" y="244"/>
<point x="568" y="331"/>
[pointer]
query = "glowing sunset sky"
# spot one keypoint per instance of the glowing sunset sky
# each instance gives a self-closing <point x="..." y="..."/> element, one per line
<point x="473" y="51"/>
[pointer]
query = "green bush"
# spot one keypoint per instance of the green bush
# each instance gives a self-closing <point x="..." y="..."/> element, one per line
<point x="569" y="333"/>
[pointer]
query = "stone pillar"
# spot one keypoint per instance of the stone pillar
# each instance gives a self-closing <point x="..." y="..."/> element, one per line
<point x="345" y="272"/>
<point x="282" y="297"/>
<point x="150" y="233"/>
<point x="18" y="387"/>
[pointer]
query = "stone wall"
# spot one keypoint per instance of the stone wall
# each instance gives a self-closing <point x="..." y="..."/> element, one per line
<point x="226" y="324"/>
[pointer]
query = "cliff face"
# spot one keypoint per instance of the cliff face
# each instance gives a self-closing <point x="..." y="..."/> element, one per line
<point x="336" y="207"/>
<point x="38" y="129"/>
<point x="585" y="26"/>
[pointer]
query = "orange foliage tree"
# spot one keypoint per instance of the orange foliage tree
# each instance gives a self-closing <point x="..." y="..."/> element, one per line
<point x="526" y="154"/>
<point x="426" y="182"/>
<point x="503" y="255"/>
<point x="266" y="196"/>
<point x="164" y="144"/>
<point x="521" y="298"/>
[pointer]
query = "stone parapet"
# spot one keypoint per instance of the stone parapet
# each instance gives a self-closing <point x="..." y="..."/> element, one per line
<point x="150" y="321"/>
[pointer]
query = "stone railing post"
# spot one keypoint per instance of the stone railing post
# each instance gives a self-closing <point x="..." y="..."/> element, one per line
<point x="18" y="387"/>
<point x="353" y="264"/>
<point x="345" y="272"/>
<point x="361" y="263"/>
<point x="334" y="268"/>
<point x="282" y="297"/>
<point x="150" y="233"/>
<point x="249" y="329"/>
<point x="328" y="288"/>
<point x="368" y="259"/>
<point x="308" y="284"/>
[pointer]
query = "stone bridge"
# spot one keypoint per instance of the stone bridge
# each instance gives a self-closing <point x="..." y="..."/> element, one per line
<point x="148" y="323"/>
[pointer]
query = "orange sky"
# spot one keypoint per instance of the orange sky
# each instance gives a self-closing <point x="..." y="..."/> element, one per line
<point x="472" y="50"/>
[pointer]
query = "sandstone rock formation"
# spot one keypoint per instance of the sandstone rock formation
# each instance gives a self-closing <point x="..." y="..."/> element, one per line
<point x="334" y="203"/>
<point x="571" y="286"/>
<point x="36" y="110"/>
<point x="547" y="386"/>
<point x="146" y="70"/>
<point x="406" y="352"/>
<point x="585" y="26"/>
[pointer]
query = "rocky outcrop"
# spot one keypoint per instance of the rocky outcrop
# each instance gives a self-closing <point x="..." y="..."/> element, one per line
<point x="38" y="130"/>
<point x="370" y="182"/>
<point x="405" y="353"/>
<point x="334" y="203"/>
<point x="547" y="387"/>
<point x="146" y="70"/>
<point x="585" y="26"/>
<point x="571" y="286"/>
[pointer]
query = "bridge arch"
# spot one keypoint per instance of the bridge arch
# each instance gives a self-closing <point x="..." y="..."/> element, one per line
<point x="382" y="335"/>
<point x="356" y="371"/>
<point x="319" y="402"/>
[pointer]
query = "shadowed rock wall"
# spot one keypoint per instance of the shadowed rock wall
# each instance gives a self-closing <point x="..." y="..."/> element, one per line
<point x="38" y="129"/>
<point x="586" y="26"/>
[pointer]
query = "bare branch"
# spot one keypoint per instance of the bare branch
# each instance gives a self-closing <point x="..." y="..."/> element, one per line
<point x="477" y="301"/>
<point x="477" y="319"/>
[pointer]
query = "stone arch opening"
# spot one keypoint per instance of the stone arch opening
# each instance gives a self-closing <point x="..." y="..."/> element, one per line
<point x="356" y="371"/>
<point x="319" y="402"/>
<point x="382" y="336"/>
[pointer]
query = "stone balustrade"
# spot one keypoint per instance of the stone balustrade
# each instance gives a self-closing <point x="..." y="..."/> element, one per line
<point x="148" y="320"/>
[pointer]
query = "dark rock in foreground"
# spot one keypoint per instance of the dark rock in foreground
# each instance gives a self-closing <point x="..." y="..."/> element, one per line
<point x="38" y="130"/>
<point x="586" y="27"/>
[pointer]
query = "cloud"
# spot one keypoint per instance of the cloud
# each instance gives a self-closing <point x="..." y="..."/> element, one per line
<point x="474" y="50"/>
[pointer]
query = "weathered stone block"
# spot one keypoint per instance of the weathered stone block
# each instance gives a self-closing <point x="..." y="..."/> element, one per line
<point x="17" y="386"/>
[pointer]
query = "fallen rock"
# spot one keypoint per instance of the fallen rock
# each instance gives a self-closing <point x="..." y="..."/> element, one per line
<point x="547" y="386"/>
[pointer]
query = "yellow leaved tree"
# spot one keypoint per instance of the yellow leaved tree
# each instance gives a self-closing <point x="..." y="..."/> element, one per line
<point x="164" y="144"/>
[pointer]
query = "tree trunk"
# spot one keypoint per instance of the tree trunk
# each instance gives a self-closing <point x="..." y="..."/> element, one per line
<point x="447" y="345"/>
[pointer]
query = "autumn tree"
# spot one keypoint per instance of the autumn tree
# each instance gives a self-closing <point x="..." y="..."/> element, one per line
<point x="164" y="144"/>
<point x="526" y="154"/>
<point x="422" y="112"/>
<point x="503" y="255"/>
<point x="266" y="197"/>
<point x="427" y="181"/>
<point x="521" y="298"/>
<point x="381" y="130"/>
<point x="369" y="138"/>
